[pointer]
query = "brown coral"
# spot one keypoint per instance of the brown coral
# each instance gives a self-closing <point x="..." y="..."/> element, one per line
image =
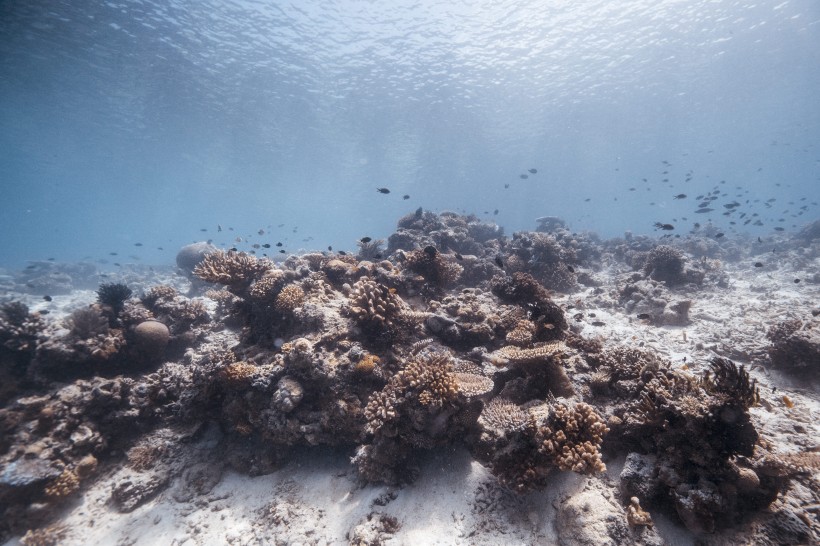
<point x="522" y="334"/>
<point x="289" y="298"/>
<point x="516" y="356"/>
<point x="236" y="270"/>
<point x="470" y="384"/>
<point x="503" y="416"/>
<point x="572" y="438"/>
<point x="64" y="485"/>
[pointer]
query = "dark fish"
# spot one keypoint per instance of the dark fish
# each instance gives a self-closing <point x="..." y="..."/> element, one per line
<point x="218" y="227"/>
<point x="137" y="244"/>
<point x="506" y="185"/>
<point x="266" y="245"/>
<point x="342" y="253"/>
<point x="495" y="211"/>
<point x="758" y="264"/>
<point x="365" y="240"/>
<point x="117" y="264"/>
<point x="160" y="248"/>
<point x="256" y="245"/>
<point x="719" y="235"/>
<point x="233" y="249"/>
<point x="382" y="190"/>
<point x="279" y="243"/>
<point x="50" y="259"/>
<point x="459" y="256"/>
<point x="524" y="176"/>
<point x="431" y="251"/>
<point x="282" y="251"/>
<point x="680" y="196"/>
<point x="778" y="228"/>
<point x="330" y="248"/>
<point x="705" y="209"/>
<point x="405" y="197"/>
<point x="499" y="262"/>
<point x="112" y="253"/>
<point x="796" y="281"/>
<point x="571" y="269"/>
<point x="598" y="323"/>
<point x="533" y="171"/>
<point x="47" y="297"/>
<point x="419" y="212"/>
<point x="261" y="232"/>
<point x="666" y="227"/>
<point x="587" y="199"/>
<point x="644" y="316"/>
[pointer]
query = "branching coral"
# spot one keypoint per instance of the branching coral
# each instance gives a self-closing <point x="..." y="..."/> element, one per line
<point x="87" y="322"/>
<point x="503" y="417"/>
<point x="18" y="327"/>
<point x="289" y="298"/>
<point x="376" y="308"/>
<point x="572" y="438"/>
<point x="236" y="270"/>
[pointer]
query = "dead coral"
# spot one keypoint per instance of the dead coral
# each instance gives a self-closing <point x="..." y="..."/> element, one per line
<point x="525" y="290"/>
<point x="503" y="417"/>
<point x="665" y="263"/>
<point x="53" y="535"/>
<point x="795" y="345"/>
<point x="87" y="322"/>
<point x="431" y="264"/>
<point x="18" y="327"/>
<point x="637" y="516"/>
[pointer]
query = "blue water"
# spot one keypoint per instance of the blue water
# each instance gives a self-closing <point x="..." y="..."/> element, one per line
<point x="146" y="122"/>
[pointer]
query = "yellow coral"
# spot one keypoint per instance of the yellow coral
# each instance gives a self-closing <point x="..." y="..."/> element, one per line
<point x="64" y="485"/>
<point x="238" y="372"/>
<point x="366" y="363"/>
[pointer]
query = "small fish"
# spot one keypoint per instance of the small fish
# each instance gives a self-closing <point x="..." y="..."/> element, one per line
<point x="680" y="196"/>
<point x="796" y="281"/>
<point x="495" y="212"/>
<point x="47" y="297"/>
<point x="382" y="190"/>
<point x="778" y="228"/>
<point x="330" y="248"/>
<point x="160" y="248"/>
<point x="570" y="269"/>
<point x="279" y="243"/>
<point x="112" y="253"/>
<point x="233" y="249"/>
<point x="499" y="262"/>
<point x="702" y="210"/>
<point x="137" y="244"/>
<point x="238" y="239"/>
<point x="587" y="200"/>
<point x="342" y="253"/>
<point x="758" y="264"/>
<point x="405" y="197"/>
<point x="459" y="257"/>
<point x="523" y="176"/>
<point x="266" y="245"/>
<point x="431" y="251"/>
<point x="365" y="240"/>
<point x="283" y="251"/>
<point x="644" y="316"/>
<point x="256" y="245"/>
<point x="533" y="171"/>
<point x="598" y="323"/>
<point x="719" y="235"/>
<point x="788" y="402"/>
<point x="203" y="229"/>
<point x="666" y="227"/>
<point x="506" y="186"/>
<point x="218" y="227"/>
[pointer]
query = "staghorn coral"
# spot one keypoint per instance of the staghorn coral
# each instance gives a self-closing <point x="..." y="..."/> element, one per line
<point x="523" y="333"/>
<point x="236" y="270"/>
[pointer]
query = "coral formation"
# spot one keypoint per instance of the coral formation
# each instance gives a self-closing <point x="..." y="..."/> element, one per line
<point x="795" y="345"/>
<point x="113" y="295"/>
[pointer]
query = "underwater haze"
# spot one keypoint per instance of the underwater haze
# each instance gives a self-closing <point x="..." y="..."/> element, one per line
<point x="156" y="123"/>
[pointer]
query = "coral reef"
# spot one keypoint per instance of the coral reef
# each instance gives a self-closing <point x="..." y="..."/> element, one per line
<point x="795" y="345"/>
